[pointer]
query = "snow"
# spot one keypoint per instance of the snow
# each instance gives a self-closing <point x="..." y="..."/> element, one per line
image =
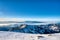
<point x="4" y="35"/>
<point x="8" y="35"/>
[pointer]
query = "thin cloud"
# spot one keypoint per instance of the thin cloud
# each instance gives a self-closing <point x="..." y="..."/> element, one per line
<point x="1" y="13"/>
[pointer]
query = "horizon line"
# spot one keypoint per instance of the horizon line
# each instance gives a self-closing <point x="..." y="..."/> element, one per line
<point x="29" y="19"/>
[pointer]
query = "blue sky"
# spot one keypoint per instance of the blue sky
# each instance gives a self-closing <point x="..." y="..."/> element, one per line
<point x="29" y="9"/>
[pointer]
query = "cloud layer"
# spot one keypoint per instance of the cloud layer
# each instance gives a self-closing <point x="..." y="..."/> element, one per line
<point x="30" y="19"/>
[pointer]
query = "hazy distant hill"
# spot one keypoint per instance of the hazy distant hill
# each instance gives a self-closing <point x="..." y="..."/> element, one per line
<point x="33" y="22"/>
<point x="21" y="22"/>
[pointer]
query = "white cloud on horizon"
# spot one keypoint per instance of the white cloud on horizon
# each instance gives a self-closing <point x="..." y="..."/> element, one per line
<point x="29" y="19"/>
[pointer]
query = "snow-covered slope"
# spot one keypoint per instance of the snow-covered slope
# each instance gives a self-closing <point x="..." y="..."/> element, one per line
<point x="24" y="36"/>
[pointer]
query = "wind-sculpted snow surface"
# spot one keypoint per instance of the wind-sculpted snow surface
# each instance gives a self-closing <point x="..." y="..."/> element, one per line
<point x="24" y="36"/>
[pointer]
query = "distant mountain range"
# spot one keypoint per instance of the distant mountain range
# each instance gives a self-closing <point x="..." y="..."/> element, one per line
<point x="34" y="29"/>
